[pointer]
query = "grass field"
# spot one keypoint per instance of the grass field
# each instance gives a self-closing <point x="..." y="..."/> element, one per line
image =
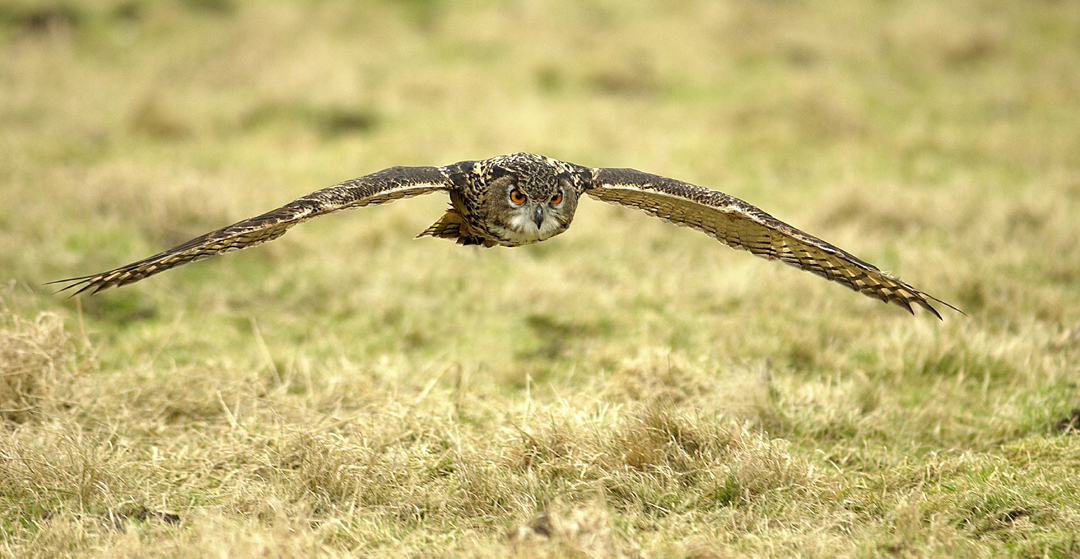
<point x="627" y="389"/>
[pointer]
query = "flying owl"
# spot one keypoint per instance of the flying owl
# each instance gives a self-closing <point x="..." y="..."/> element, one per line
<point x="521" y="198"/>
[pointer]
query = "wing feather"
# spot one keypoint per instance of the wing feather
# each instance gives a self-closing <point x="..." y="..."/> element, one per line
<point x="743" y="226"/>
<point x="381" y="187"/>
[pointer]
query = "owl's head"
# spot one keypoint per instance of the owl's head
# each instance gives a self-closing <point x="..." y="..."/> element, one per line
<point x="532" y="198"/>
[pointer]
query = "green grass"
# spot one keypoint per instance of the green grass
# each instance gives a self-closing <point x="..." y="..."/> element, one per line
<point x="626" y="389"/>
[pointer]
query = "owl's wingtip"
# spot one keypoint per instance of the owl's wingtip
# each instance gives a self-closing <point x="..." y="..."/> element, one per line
<point x="924" y="300"/>
<point x="947" y="305"/>
<point x="84" y="284"/>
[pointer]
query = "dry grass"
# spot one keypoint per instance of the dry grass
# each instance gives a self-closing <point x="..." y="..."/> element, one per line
<point x="39" y="365"/>
<point x="628" y="389"/>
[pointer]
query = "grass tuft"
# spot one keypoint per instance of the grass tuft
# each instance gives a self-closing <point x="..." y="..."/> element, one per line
<point x="38" y="363"/>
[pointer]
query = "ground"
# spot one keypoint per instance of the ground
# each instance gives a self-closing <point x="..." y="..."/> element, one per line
<point x="628" y="389"/>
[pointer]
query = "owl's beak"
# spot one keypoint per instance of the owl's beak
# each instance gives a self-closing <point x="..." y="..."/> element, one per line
<point x="538" y="216"/>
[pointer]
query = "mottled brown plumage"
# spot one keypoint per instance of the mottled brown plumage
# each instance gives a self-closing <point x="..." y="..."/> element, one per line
<point x="521" y="198"/>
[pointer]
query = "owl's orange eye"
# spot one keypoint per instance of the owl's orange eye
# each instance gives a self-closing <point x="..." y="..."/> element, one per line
<point x="517" y="196"/>
<point x="556" y="199"/>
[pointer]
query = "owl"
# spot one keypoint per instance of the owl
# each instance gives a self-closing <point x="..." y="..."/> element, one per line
<point x="522" y="198"/>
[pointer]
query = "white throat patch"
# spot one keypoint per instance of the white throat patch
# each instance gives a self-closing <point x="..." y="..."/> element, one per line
<point x="522" y="229"/>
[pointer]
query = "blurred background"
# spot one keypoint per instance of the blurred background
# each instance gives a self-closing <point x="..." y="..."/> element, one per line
<point x="935" y="139"/>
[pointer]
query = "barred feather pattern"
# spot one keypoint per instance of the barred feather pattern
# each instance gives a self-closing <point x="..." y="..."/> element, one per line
<point x="745" y="227"/>
<point x="377" y="188"/>
<point x="484" y="212"/>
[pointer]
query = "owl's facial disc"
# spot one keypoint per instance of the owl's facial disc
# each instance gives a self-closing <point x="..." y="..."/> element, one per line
<point x="531" y="215"/>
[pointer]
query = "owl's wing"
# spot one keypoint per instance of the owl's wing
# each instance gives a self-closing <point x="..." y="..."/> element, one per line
<point x="743" y="226"/>
<point x="381" y="187"/>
